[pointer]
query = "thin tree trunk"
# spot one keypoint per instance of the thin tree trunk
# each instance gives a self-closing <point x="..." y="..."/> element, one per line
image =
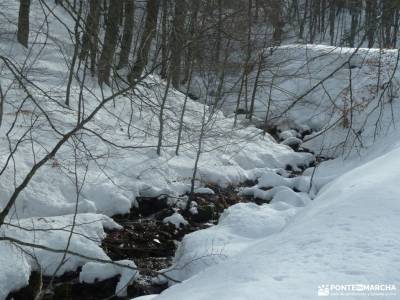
<point x="332" y="21"/>
<point x="238" y="99"/>
<point x="178" y="144"/>
<point x="303" y="20"/>
<point x="161" y="115"/>
<point x="219" y="32"/>
<point x="191" y="47"/>
<point x="127" y="36"/>
<point x="196" y="163"/>
<point x="371" y="23"/>
<point x="255" y="86"/>
<point x="164" y="39"/>
<point x="74" y="57"/>
<point x="1" y="105"/>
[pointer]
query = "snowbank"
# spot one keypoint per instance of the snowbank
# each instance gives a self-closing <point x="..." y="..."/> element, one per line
<point x="347" y="235"/>
<point x="94" y="271"/>
<point x="17" y="262"/>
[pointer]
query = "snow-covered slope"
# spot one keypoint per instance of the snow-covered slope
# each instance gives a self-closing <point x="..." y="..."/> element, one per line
<point x="347" y="236"/>
<point x="104" y="168"/>
<point x="132" y="124"/>
<point x="346" y="95"/>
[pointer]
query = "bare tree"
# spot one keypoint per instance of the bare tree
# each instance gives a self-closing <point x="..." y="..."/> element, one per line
<point x="126" y="43"/>
<point x="110" y="41"/>
<point x="177" y="41"/>
<point x="90" y="36"/>
<point x="148" y="34"/>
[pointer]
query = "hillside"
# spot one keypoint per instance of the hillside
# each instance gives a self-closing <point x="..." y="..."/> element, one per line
<point x="272" y="177"/>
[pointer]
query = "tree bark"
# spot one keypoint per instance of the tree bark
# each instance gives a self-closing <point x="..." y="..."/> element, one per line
<point x="148" y="34"/>
<point x="164" y="39"/>
<point x="110" y="41"/>
<point x="90" y="37"/>
<point x="194" y="8"/>
<point x="178" y="39"/>
<point x="23" y="22"/>
<point x="127" y="36"/>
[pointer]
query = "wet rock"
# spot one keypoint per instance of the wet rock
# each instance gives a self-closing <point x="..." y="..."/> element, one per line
<point x="204" y="214"/>
<point x="78" y="291"/>
<point x="143" y="288"/>
<point x="31" y="291"/>
<point x="149" y="206"/>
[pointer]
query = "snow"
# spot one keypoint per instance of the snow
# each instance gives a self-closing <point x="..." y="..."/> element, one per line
<point x="176" y="219"/>
<point x="147" y="297"/>
<point x="313" y="81"/>
<point x="15" y="269"/>
<point x="270" y="184"/>
<point x="117" y="176"/>
<point x="204" y="190"/>
<point x="287" y="134"/>
<point x="94" y="271"/>
<point x="17" y="262"/>
<point x="239" y="226"/>
<point x="347" y="235"/>
<point x="290" y="197"/>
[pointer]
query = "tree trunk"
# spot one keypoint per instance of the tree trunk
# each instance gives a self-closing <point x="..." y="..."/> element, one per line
<point x="148" y="34"/>
<point x="332" y="21"/>
<point x="110" y="41"/>
<point x="127" y="36"/>
<point x="371" y="21"/>
<point x="354" y="11"/>
<point x="277" y="21"/>
<point x="255" y="86"/>
<point x="303" y="20"/>
<point x="387" y="22"/>
<point x="23" y="22"/>
<point x="164" y="39"/>
<point x="90" y="37"/>
<point x="178" y="39"/>
<point x="161" y="115"/>
<point x="219" y="33"/>
<point x="191" y="47"/>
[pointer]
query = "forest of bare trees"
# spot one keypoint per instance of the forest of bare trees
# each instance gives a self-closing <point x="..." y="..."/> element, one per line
<point x="179" y="39"/>
<point x="182" y="31"/>
<point x="141" y="93"/>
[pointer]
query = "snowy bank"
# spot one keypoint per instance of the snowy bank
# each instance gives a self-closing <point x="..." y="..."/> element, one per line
<point x="347" y="235"/>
